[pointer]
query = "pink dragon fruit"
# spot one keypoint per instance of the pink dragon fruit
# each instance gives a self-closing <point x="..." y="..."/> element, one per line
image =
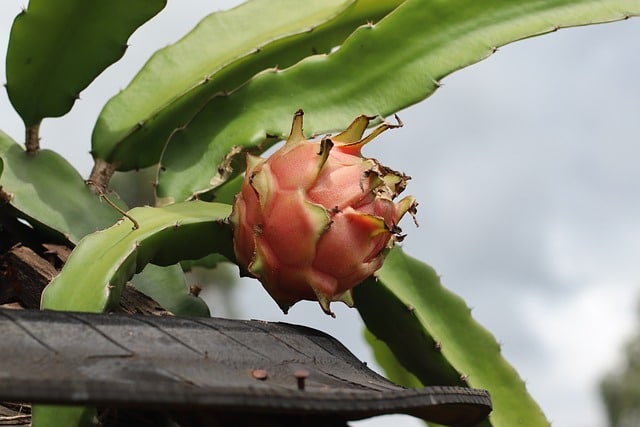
<point x="316" y="218"/>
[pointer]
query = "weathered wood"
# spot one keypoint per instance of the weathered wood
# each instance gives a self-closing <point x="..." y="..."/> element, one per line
<point x="15" y="414"/>
<point x="26" y="275"/>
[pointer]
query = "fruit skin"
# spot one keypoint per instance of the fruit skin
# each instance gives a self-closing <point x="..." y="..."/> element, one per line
<point x="316" y="218"/>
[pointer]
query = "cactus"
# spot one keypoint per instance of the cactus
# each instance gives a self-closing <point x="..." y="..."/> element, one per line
<point x="194" y="121"/>
<point x="282" y="36"/>
<point x="440" y="342"/>
<point x="45" y="80"/>
<point x="48" y="192"/>
<point x="106" y="260"/>
<point x="422" y="42"/>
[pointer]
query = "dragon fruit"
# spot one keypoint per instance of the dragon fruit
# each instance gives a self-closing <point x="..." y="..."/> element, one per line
<point x="316" y="218"/>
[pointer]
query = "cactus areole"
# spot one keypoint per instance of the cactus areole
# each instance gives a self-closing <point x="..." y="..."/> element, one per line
<point x="316" y="218"/>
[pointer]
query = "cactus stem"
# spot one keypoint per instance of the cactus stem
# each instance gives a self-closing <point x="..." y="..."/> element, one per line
<point x="32" y="139"/>
<point x="101" y="173"/>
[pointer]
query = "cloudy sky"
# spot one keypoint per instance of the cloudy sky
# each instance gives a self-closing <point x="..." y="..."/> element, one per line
<point x="526" y="169"/>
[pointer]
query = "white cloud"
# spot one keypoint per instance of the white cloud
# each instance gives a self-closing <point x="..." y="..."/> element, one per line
<point x="581" y="336"/>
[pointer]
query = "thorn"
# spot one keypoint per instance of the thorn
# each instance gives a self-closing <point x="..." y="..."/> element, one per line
<point x="195" y="290"/>
<point x="398" y="121"/>
<point x="410" y="308"/>
<point x="438" y="346"/>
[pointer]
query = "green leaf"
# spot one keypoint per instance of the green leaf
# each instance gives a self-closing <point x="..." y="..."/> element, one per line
<point x="56" y="48"/>
<point x="104" y="261"/>
<point x="167" y="286"/>
<point x="428" y="327"/>
<point x="46" y="190"/>
<point x="378" y="70"/>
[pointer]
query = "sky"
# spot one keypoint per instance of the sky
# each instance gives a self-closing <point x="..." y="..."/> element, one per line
<point x="525" y="166"/>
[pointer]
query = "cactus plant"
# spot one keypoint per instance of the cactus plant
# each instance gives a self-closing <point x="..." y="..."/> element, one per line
<point x="194" y="111"/>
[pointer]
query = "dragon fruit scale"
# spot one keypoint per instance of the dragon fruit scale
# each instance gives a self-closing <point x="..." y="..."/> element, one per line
<point x="316" y="218"/>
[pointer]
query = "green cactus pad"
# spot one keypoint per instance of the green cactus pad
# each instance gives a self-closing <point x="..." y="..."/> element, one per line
<point x="224" y="51"/>
<point x="399" y="61"/>
<point x="103" y="262"/>
<point x="56" y="48"/>
<point x="46" y="190"/>
<point x="434" y="337"/>
<point x="167" y="286"/>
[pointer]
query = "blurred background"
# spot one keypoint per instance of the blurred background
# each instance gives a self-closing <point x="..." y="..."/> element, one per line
<point x="526" y="169"/>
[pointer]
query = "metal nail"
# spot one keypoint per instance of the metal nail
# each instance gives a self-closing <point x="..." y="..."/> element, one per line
<point x="301" y="375"/>
<point x="259" y="374"/>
